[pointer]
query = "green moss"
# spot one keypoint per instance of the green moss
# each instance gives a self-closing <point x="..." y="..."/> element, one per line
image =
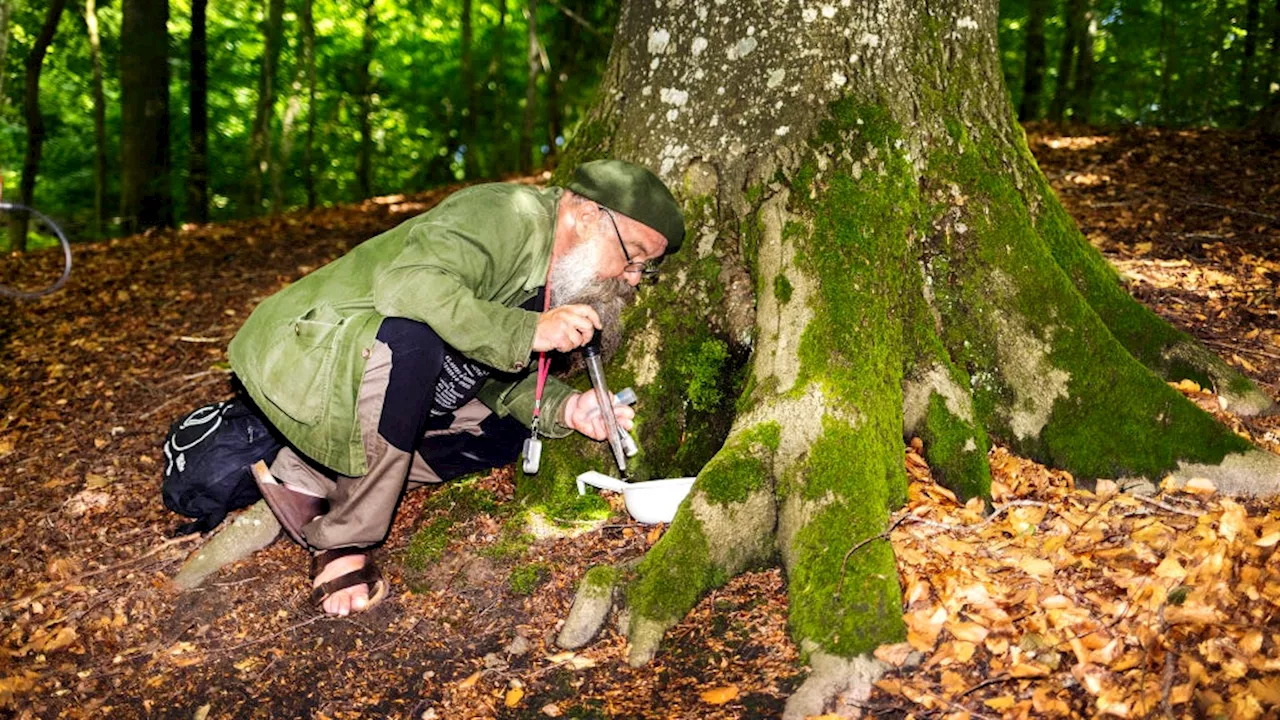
<point x="847" y="610"/>
<point x="956" y="451"/>
<point x="782" y="288"/>
<point x="428" y="543"/>
<point x="601" y="577"/>
<point x="705" y="370"/>
<point x="1119" y="419"/>
<point x="741" y="467"/>
<point x="675" y="573"/>
<point x="526" y="578"/>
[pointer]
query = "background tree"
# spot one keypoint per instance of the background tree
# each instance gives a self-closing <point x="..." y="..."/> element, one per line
<point x="6" y="10"/>
<point x="145" y="199"/>
<point x="99" y="119"/>
<point x="1034" y="61"/>
<point x="872" y="253"/>
<point x="259" y="158"/>
<point x="18" y="222"/>
<point x="364" y="88"/>
<point x="198" y="160"/>
<point x="533" y="55"/>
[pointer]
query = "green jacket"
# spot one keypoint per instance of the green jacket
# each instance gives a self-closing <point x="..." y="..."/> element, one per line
<point x="463" y="268"/>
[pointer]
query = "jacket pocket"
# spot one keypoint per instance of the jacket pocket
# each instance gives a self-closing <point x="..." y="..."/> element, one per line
<point x="301" y="361"/>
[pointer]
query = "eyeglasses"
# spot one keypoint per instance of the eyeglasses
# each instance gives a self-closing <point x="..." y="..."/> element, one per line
<point x="648" y="270"/>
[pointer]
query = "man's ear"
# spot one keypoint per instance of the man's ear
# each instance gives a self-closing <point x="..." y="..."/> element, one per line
<point x="588" y="213"/>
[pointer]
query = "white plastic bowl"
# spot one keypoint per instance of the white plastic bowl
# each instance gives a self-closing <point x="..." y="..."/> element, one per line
<point x="652" y="502"/>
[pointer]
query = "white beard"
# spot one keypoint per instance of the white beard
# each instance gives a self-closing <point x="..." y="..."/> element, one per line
<point x="573" y="276"/>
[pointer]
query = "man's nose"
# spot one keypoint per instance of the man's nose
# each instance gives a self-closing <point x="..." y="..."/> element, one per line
<point x="631" y="278"/>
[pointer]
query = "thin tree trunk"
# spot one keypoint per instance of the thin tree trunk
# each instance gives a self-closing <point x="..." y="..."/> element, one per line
<point x="364" y="88"/>
<point x="291" y="110"/>
<point x="6" y="9"/>
<point x="1167" y="52"/>
<point x="1071" y="12"/>
<point x="259" y="160"/>
<point x="469" y="139"/>
<point x="35" y="125"/>
<point x="309" y="61"/>
<point x="198" y="162"/>
<point x="145" y="198"/>
<point x="497" y="102"/>
<point x="530" y="88"/>
<point x="1270" y="113"/>
<point x="1251" y="30"/>
<point x="1033" y="71"/>
<point x="99" y="120"/>
<point x="1082" y="92"/>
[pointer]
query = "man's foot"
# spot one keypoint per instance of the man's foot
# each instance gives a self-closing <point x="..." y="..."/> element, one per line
<point x="346" y="581"/>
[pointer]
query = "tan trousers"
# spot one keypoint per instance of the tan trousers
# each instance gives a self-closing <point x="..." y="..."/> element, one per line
<point x="361" y="508"/>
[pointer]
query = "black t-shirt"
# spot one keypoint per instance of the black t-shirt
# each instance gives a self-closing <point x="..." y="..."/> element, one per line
<point x="461" y="377"/>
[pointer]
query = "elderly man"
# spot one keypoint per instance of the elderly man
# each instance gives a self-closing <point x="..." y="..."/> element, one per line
<point x="409" y="358"/>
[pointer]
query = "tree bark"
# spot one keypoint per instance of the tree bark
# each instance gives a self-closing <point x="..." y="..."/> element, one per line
<point x="198" y="161"/>
<point x="1072" y="11"/>
<point x="309" y="62"/>
<point x="291" y="110"/>
<point x="364" y="88"/>
<point x="530" y="88"/>
<point x="145" y="198"/>
<point x="1250" y="50"/>
<point x="18" y="222"/>
<point x="1034" y="54"/>
<point x="259" y="160"/>
<point x="470" y="156"/>
<point x="1082" y="90"/>
<point x="872" y="254"/>
<point x="497" y="164"/>
<point x="1168" y="25"/>
<point x="99" y="120"/>
<point x="6" y="10"/>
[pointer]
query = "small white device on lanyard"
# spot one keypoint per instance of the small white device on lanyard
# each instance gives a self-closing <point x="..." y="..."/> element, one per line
<point x="532" y="451"/>
<point x="532" y="454"/>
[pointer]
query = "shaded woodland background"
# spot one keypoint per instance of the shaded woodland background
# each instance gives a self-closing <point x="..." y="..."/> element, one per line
<point x="129" y="114"/>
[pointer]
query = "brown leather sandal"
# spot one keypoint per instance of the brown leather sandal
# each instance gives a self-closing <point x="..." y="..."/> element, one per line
<point x="367" y="575"/>
<point x="293" y="509"/>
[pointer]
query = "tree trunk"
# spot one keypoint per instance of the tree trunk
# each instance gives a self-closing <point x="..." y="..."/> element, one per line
<point x="470" y="156"/>
<point x="1082" y="91"/>
<point x="198" y="162"/>
<point x="1251" y="30"/>
<point x="291" y="110"/>
<point x="35" y="125"/>
<point x="1167" y="53"/>
<point x="530" y="88"/>
<point x="99" y="120"/>
<point x="309" y="62"/>
<point x="1033" y="72"/>
<point x="1072" y="10"/>
<point x="259" y="160"/>
<point x="364" y="88"/>
<point x="498" y="100"/>
<point x="872" y="255"/>
<point x="6" y="10"/>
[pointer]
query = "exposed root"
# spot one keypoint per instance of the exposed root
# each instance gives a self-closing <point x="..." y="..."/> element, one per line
<point x="837" y="686"/>
<point x="1255" y="473"/>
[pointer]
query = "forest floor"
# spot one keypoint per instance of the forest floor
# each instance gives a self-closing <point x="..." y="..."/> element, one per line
<point x="1069" y="602"/>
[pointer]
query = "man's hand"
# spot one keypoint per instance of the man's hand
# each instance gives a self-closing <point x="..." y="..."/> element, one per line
<point x="582" y="413"/>
<point x="565" y="328"/>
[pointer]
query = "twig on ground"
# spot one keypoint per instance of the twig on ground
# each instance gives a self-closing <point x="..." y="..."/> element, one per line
<point x="270" y="637"/>
<point x="1003" y="677"/>
<point x="1167" y="507"/>
<point x="1240" y="348"/>
<point x="1228" y="208"/>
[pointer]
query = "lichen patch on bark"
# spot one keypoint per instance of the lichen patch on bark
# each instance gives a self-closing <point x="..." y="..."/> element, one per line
<point x="917" y="390"/>
<point x="1027" y="368"/>
<point x="794" y="514"/>
<point x="781" y="324"/>
<point x="800" y="421"/>
<point x="642" y="354"/>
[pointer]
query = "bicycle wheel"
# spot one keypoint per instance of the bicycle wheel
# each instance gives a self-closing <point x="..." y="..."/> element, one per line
<point x="22" y="273"/>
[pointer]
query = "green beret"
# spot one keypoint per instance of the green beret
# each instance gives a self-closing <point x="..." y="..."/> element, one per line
<point x="633" y="191"/>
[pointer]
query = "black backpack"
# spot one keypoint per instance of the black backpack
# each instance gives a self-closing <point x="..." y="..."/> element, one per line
<point x="208" y="455"/>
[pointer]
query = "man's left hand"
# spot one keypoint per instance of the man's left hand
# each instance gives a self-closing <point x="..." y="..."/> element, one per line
<point x="582" y="413"/>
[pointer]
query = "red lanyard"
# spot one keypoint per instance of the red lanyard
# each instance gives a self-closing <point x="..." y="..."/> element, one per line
<point x="544" y="367"/>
